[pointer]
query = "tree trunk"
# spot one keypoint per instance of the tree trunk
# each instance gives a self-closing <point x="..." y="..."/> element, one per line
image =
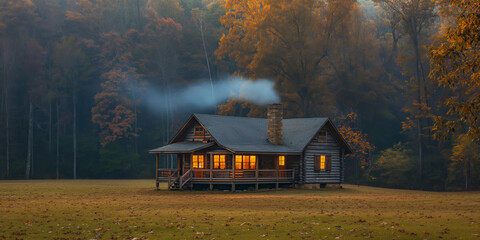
<point x="208" y="65"/>
<point x="467" y="174"/>
<point x="134" y="98"/>
<point x="58" y="139"/>
<point x="5" y="60"/>
<point x="74" y="135"/>
<point x="30" y="140"/>
<point x="50" y="130"/>
<point x="419" y="120"/>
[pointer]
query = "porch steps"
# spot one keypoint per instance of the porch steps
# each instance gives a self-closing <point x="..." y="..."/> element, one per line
<point x="176" y="186"/>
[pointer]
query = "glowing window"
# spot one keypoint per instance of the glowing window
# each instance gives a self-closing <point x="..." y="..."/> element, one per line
<point x="219" y="161"/>
<point x="281" y="161"/>
<point x="198" y="161"/>
<point x="245" y="162"/>
<point x="322" y="162"/>
<point x="253" y="162"/>
<point x="238" y="162"/>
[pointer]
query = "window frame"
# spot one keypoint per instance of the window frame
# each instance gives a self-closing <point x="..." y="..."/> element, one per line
<point x="196" y="164"/>
<point x="322" y="136"/>
<point x="219" y="161"/>
<point x="327" y="163"/>
<point x="198" y="131"/>
<point x="281" y="160"/>
<point x="241" y="164"/>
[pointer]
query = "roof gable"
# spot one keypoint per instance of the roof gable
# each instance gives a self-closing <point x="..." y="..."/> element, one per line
<point x="243" y="134"/>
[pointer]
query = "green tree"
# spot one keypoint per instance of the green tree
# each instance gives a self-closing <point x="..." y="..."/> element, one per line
<point x="465" y="162"/>
<point x="73" y="69"/>
<point x="394" y="168"/>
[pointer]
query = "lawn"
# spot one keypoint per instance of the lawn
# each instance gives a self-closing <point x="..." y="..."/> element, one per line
<point x="128" y="209"/>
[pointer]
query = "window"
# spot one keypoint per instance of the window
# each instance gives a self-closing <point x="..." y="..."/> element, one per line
<point x="199" y="131"/>
<point x="198" y="161"/>
<point x="322" y="136"/>
<point x="253" y="162"/>
<point x="245" y="162"/>
<point x="281" y="161"/>
<point x="219" y="161"/>
<point x="323" y="163"/>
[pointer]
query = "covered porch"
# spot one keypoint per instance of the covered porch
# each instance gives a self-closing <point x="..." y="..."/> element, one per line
<point x="214" y="166"/>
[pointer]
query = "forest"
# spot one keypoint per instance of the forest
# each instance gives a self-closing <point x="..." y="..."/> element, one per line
<point x="89" y="86"/>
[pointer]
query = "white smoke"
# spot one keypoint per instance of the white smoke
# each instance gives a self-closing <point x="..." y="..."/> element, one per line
<point x="199" y="96"/>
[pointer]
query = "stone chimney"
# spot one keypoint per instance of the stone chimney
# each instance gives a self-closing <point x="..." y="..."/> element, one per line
<point x="274" y="123"/>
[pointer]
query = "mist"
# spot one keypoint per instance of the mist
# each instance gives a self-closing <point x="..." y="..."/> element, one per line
<point x="199" y="96"/>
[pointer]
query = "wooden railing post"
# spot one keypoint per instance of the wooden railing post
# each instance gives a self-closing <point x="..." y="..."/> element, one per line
<point x="293" y="178"/>
<point x="256" y="167"/>
<point x="156" y="168"/>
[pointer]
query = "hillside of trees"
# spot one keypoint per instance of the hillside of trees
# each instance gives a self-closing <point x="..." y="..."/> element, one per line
<point x="399" y="77"/>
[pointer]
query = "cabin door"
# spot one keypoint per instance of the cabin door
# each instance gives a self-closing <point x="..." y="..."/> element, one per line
<point x="198" y="163"/>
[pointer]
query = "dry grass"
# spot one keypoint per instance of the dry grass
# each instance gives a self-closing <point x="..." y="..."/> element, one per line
<point x="127" y="209"/>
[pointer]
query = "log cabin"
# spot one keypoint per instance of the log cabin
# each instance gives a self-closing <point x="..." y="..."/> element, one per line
<point x="214" y="151"/>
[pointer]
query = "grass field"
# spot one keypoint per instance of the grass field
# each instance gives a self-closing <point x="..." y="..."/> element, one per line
<point x="128" y="209"/>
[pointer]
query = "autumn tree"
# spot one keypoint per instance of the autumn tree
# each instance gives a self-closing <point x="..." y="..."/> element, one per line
<point x="114" y="111"/>
<point x="284" y="40"/>
<point x="362" y="148"/>
<point x="160" y="39"/>
<point x="414" y="18"/>
<point x="455" y="66"/>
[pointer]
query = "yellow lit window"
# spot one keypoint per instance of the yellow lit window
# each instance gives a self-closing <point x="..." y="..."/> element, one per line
<point x="322" y="162"/>
<point x="281" y="161"/>
<point x="198" y="161"/>
<point x="253" y="162"/>
<point x="238" y="162"/>
<point x="219" y="161"/>
<point x="246" y="162"/>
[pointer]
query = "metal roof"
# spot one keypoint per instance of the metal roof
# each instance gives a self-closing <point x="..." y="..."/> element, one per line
<point x="181" y="147"/>
<point x="244" y="134"/>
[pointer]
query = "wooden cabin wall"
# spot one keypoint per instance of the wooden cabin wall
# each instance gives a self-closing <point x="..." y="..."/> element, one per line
<point x="189" y="134"/>
<point x="293" y="162"/>
<point x="332" y="148"/>
<point x="266" y="162"/>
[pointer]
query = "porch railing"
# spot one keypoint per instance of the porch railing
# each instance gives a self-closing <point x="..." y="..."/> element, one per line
<point x="172" y="178"/>
<point x="250" y="175"/>
<point x="273" y="175"/>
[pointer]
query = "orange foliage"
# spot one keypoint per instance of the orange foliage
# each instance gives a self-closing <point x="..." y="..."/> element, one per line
<point x="357" y="140"/>
<point x="112" y="111"/>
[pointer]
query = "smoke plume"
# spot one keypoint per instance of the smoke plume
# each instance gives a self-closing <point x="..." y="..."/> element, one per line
<point x="199" y="96"/>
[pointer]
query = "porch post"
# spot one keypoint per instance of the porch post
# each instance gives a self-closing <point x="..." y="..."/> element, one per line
<point x="182" y="171"/>
<point x="276" y="165"/>
<point x="233" y="172"/>
<point x="211" y="166"/>
<point x="256" y="172"/>
<point x="178" y="163"/>
<point x="156" y="170"/>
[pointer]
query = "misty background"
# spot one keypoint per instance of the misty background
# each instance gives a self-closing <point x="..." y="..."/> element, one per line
<point x="89" y="86"/>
